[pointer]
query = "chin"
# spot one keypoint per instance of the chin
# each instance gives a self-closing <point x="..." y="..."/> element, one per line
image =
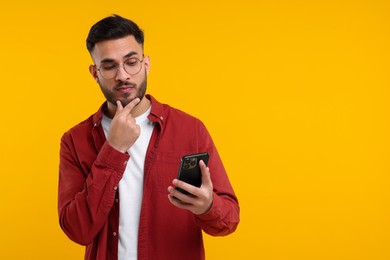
<point x="126" y="101"/>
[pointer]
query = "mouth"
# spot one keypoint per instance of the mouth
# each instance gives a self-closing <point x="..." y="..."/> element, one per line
<point x="125" y="88"/>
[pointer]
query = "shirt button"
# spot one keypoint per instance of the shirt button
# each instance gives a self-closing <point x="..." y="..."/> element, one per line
<point x="114" y="234"/>
<point x="116" y="200"/>
<point x="162" y="118"/>
<point x="125" y="162"/>
<point x="115" y="187"/>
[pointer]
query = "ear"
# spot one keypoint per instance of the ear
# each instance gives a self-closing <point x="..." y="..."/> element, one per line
<point x="93" y="72"/>
<point x="147" y="64"/>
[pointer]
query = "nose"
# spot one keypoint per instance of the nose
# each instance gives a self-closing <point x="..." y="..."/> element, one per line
<point x="121" y="74"/>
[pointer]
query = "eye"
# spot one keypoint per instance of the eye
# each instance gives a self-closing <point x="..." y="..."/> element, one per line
<point x="131" y="62"/>
<point x="108" y="66"/>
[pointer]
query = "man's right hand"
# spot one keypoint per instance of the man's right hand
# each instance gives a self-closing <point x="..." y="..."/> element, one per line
<point x="123" y="130"/>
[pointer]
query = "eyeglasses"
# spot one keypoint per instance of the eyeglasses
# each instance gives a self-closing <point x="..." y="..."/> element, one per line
<point x="109" y="70"/>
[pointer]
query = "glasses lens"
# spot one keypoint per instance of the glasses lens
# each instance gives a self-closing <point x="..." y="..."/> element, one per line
<point x="108" y="70"/>
<point x="132" y="66"/>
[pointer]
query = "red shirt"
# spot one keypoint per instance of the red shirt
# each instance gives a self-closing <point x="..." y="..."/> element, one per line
<point x="89" y="173"/>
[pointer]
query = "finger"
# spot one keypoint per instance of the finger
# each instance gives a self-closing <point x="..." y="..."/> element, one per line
<point x="178" y="197"/>
<point x="175" y="201"/>
<point x="119" y="107"/>
<point x="183" y="197"/>
<point x="206" y="179"/>
<point x="131" y="105"/>
<point x="185" y="186"/>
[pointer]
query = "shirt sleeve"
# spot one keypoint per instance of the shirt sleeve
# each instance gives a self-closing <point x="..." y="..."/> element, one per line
<point x="224" y="215"/>
<point x="85" y="198"/>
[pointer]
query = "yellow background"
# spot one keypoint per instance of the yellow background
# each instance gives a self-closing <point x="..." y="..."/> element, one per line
<point x="295" y="94"/>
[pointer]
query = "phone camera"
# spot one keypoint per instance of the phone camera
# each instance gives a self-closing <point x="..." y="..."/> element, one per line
<point x="190" y="163"/>
<point x="193" y="163"/>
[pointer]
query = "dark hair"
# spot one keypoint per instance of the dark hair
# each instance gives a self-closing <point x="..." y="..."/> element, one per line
<point x="111" y="28"/>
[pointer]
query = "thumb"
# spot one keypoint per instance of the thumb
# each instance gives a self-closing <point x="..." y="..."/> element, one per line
<point x="206" y="179"/>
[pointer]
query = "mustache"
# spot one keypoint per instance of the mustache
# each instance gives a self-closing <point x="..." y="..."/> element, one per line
<point x="125" y="83"/>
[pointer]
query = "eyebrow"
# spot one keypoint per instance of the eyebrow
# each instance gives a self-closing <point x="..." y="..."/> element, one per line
<point x="130" y="54"/>
<point x="107" y="60"/>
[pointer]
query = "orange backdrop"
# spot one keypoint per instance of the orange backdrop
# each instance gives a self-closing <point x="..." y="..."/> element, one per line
<point x="294" y="92"/>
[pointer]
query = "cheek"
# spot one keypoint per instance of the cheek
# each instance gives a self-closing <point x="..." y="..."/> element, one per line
<point x="107" y="83"/>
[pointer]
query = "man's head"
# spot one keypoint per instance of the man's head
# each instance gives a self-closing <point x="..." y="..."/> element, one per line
<point x="116" y="46"/>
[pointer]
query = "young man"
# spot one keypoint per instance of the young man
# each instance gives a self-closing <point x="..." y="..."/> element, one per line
<point x="118" y="168"/>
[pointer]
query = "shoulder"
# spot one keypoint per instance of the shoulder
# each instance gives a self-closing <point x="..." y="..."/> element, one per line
<point x="85" y="126"/>
<point x="171" y="113"/>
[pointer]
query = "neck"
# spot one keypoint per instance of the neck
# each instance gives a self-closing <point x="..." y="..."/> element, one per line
<point x="141" y="108"/>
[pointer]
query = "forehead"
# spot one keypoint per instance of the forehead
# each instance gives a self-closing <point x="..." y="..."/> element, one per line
<point x="116" y="49"/>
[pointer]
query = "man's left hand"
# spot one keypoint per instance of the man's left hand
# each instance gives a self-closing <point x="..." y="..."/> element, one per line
<point x="202" y="198"/>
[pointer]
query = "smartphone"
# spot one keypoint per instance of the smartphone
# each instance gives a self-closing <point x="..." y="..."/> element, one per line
<point x="189" y="170"/>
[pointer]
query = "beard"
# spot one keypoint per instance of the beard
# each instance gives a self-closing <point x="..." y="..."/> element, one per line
<point x="125" y="98"/>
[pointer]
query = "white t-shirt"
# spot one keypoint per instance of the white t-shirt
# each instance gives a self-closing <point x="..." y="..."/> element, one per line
<point x="131" y="188"/>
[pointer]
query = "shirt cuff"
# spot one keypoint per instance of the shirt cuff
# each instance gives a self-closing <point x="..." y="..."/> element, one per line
<point x="112" y="158"/>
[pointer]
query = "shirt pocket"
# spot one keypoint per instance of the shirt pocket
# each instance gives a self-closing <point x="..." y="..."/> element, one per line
<point x="167" y="167"/>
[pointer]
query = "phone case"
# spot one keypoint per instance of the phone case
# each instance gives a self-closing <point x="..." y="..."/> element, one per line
<point x="189" y="170"/>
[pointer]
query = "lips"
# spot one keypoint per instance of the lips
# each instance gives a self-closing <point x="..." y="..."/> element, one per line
<point x="124" y="88"/>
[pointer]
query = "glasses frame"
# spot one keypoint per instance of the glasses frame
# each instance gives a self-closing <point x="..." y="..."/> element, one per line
<point x="123" y="66"/>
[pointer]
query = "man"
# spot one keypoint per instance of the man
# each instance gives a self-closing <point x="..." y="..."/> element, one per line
<point x="118" y="166"/>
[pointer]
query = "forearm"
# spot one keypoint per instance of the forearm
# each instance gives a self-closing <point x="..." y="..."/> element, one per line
<point x="85" y="199"/>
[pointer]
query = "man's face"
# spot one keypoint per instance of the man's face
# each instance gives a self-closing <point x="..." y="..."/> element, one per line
<point x="122" y="86"/>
